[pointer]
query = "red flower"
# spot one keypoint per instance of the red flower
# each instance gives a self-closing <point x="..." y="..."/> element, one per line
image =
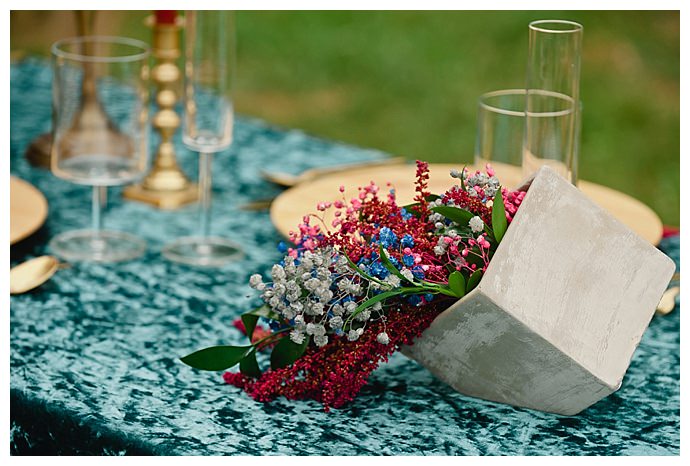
<point x="335" y="373"/>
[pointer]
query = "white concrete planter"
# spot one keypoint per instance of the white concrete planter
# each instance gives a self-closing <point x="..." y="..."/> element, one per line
<point x="564" y="303"/>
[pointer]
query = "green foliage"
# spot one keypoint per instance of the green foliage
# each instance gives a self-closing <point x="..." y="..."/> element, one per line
<point x="373" y="300"/>
<point x="249" y="365"/>
<point x="499" y="222"/>
<point x="216" y="358"/>
<point x="266" y="312"/>
<point x="474" y="280"/>
<point x="408" y="82"/>
<point x="456" y="283"/>
<point x="409" y="207"/>
<point x="455" y="214"/>
<point x="286" y="352"/>
<point x="249" y="320"/>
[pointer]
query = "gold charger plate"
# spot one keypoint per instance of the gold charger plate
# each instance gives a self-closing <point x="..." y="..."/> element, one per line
<point x="289" y="207"/>
<point x="28" y="209"/>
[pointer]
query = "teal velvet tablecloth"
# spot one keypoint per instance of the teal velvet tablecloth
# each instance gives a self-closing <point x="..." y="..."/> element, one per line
<point x="94" y="353"/>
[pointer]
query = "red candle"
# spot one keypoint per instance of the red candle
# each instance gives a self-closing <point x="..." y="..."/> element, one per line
<point x="165" y="16"/>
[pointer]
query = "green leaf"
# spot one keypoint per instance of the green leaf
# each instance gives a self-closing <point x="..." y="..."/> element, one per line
<point x="474" y="280"/>
<point x="216" y="358"/>
<point x="456" y="283"/>
<point x="446" y="291"/>
<point x="249" y="320"/>
<point x="249" y="366"/>
<point x="266" y="312"/>
<point x="409" y="209"/>
<point x="373" y="300"/>
<point x="380" y="297"/>
<point x="498" y="217"/>
<point x="462" y="178"/>
<point x="389" y="265"/>
<point x="287" y="351"/>
<point x="455" y="214"/>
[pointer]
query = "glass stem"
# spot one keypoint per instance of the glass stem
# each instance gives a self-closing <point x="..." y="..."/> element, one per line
<point x="205" y="162"/>
<point x="98" y="199"/>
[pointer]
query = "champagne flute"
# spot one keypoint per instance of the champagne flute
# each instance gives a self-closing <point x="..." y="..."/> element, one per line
<point x="207" y="125"/>
<point x="100" y="133"/>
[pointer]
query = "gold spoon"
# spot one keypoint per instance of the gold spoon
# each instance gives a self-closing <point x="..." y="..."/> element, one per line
<point x="32" y="273"/>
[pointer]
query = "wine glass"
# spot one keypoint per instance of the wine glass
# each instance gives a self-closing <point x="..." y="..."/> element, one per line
<point x="207" y="125"/>
<point x="552" y="112"/>
<point x="100" y="133"/>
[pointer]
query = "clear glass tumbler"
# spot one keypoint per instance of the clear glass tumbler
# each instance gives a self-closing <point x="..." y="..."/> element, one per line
<point x="207" y="125"/>
<point x="552" y="111"/>
<point x="100" y="133"/>
<point x="500" y="128"/>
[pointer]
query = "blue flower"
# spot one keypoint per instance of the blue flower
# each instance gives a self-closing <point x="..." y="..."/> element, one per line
<point x="378" y="270"/>
<point x="429" y="297"/>
<point x="408" y="260"/>
<point x="407" y="241"/>
<point x="405" y="214"/>
<point x="418" y="272"/>
<point x="414" y="300"/>
<point x="387" y="238"/>
<point x="395" y="262"/>
<point x="282" y="247"/>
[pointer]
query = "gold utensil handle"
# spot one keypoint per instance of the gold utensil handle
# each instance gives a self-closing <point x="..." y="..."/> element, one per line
<point x="321" y="171"/>
<point x="668" y="301"/>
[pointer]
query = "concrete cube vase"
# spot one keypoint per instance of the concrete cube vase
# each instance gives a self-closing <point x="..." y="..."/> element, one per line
<point x="556" y="318"/>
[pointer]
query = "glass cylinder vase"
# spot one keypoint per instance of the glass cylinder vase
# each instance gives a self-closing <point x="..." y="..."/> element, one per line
<point x="552" y="106"/>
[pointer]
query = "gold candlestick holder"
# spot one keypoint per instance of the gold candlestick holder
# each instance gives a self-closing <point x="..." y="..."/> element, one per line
<point x="166" y="186"/>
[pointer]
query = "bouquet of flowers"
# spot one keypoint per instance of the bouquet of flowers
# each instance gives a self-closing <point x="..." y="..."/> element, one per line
<point x="349" y="294"/>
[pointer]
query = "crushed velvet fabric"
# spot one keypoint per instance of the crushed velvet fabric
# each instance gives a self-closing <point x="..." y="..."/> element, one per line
<point x="94" y="352"/>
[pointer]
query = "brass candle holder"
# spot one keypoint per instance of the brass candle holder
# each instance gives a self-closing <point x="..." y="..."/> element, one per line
<point x="166" y="186"/>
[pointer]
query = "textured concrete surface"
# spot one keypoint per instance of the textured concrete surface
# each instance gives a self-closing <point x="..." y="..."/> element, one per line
<point x="555" y="321"/>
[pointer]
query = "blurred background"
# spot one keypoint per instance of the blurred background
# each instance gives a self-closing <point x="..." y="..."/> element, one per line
<point x="407" y="82"/>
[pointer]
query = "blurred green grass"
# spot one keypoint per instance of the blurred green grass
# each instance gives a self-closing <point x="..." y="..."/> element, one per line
<point x="408" y="82"/>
